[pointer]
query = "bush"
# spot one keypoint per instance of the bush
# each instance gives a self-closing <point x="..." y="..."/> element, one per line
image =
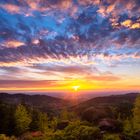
<point x="58" y="135"/>
<point x="4" y="137"/>
<point x="76" y="131"/>
<point x="111" y="137"/>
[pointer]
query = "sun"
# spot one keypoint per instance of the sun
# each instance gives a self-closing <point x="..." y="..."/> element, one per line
<point x="75" y="87"/>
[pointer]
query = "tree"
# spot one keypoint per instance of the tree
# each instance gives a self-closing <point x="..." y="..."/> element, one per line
<point x="64" y="115"/>
<point x="53" y="123"/>
<point x="128" y="128"/>
<point x="68" y="115"/>
<point x="39" y="121"/>
<point x="6" y="118"/>
<point x="136" y="114"/>
<point x="22" y="119"/>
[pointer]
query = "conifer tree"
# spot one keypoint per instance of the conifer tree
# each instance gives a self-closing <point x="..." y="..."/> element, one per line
<point x="22" y="120"/>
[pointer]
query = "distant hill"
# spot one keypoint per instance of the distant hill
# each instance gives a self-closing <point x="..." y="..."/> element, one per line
<point x="43" y="102"/>
<point x="107" y="106"/>
<point x="93" y="108"/>
<point x="108" y="100"/>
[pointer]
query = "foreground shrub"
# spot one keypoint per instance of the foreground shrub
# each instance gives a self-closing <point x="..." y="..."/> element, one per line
<point x="76" y="131"/>
<point x="58" y="135"/>
<point x="111" y="137"/>
<point x="4" y="137"/>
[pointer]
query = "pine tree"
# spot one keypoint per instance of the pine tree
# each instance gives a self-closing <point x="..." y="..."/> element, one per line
<point x="128" y="127"/>
<point x="22" y="120"/>
<point x="39" y="121"/>
<point x="64" y="114"/>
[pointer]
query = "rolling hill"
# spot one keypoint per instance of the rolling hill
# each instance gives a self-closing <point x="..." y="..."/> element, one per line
<point x="94" y="108"/>
<point x="113" y="106"/>
<point x="42" y="102"/>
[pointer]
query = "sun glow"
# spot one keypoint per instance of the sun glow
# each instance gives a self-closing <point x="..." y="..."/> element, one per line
<point x="76" y="88"/>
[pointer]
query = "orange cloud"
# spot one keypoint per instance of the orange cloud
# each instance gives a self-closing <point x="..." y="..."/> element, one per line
<point x="135" y="26"/>
<point x="102" y="10"/>
<point x="105" y="11"/>
<point x="65" y="4"/>
<point x="13" y="44"/>
<point x="110" y="8"/>
<point x="11" y="8"/>
<point x="33" y="4"/>
<point x="127" y="23"/>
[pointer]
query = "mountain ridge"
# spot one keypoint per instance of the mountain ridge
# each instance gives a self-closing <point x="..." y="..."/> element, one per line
<point x="43" y="102"/>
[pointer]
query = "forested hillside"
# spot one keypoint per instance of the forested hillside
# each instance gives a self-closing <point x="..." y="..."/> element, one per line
<point x="44" y="103"/>
<point x="97" y="119"/>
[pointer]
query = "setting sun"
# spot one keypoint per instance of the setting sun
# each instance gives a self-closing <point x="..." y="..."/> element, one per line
<point x="76" y="88"/>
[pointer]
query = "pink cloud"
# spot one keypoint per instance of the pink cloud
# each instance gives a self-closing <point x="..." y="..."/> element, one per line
<point x="11" y="8"/>
<point x="13" y="44"/>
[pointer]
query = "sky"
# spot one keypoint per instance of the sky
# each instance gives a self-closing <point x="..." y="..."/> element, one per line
<point x="65" y="45"/>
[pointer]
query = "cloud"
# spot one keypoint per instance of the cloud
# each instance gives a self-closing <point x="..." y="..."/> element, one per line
<point x="107" y="78"/>
<point x="88" y="2"/>
<point x="35" y="41"/>
<point x="69" y="38"/>
<point x="127" y="23"/>
<point x="27" y="84"/>
<point x="13" y="44"/>
<point x="11" y="8"/>
<point x="130" y="24"/>
<point x="135" y="26"/>
<point x="61" y="72"/>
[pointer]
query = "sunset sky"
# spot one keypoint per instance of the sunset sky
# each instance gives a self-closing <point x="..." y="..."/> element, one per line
<point x="61" y="45"/>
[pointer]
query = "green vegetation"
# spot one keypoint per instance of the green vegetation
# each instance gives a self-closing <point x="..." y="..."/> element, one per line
<point x="4" y="137"/>
<point x="39" y="121"/>
<point x="30" y="123"/>
<point x="136" y="114"/>
<point x="22" y="119"/>
<point x="111" y="137"/>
